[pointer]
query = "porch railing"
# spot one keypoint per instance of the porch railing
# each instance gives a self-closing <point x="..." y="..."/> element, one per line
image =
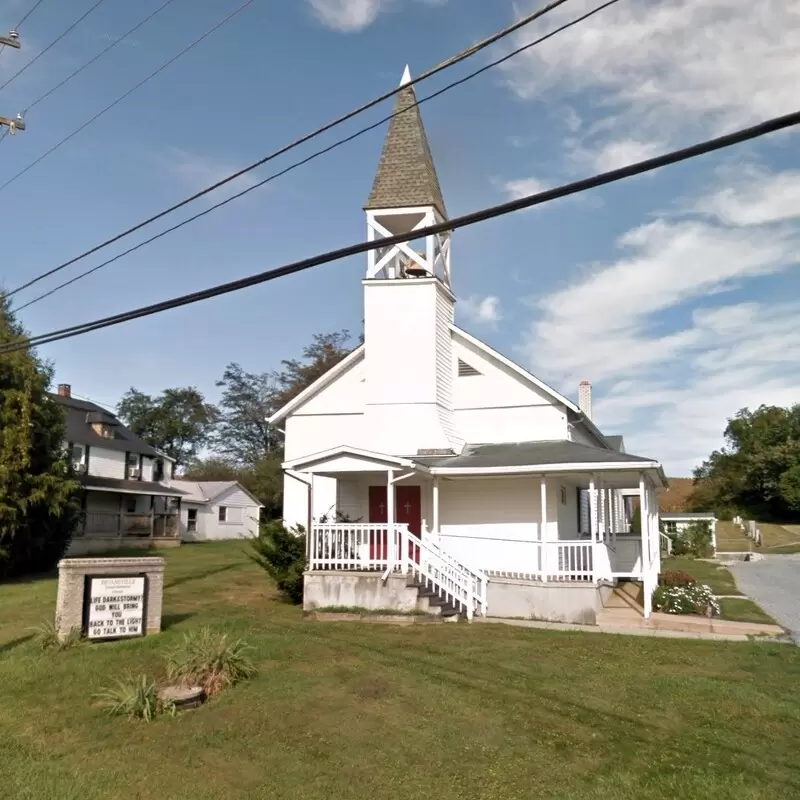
<point x="394" y="549"/>
<point x="103" y="524"/>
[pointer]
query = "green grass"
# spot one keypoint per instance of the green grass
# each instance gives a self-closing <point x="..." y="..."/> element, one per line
<point x="355" y="710"/>
<point x="779" y="538"/>
<point x="742" y="609"/>
<point x="732" y="539"/>
<point x="718" y="578"/>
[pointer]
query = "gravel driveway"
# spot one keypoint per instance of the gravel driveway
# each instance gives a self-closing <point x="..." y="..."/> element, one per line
<point x="774" y="583"/>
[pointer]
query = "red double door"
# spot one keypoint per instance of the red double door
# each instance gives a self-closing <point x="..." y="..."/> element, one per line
<point x="407" y="509"/>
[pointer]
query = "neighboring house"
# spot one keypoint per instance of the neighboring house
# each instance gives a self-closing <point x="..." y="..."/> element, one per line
<point x="213" y="510"/>
<point x="128" y="497"/>
<point x="676" y="522"/>
<point x="456" y="465"/>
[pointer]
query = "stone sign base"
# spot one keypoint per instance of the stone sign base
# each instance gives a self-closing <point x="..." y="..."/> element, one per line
<point x="72" y="586"/>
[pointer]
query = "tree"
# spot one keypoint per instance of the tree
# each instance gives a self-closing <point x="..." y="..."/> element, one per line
<point x="178" y="422"/>
<point x="756" y="470"/>
<point x="263" y="480"/>
<point x="39" y="498"/>
<point x="325" y="351"/>
<point x="248" y="399"/>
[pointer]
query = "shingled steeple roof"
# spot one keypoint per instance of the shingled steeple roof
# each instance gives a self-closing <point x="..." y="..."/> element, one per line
<point x="406" y="175"/>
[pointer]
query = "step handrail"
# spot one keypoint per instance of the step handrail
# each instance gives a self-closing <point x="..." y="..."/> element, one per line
<point x="441" y="572"/>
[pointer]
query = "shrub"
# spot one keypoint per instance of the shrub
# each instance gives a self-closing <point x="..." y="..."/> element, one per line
<point x="693" y="599"/>
<point x="208" y="659"/>
<point x="675" y="577"/>
<point x="693" y="540"/>
<point x="46" y="635"/>
<point x="135" y="698"/>
<point x="281" y="553"/>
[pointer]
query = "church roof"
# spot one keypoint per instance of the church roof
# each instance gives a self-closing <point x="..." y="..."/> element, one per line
<point x="406" y="174"/>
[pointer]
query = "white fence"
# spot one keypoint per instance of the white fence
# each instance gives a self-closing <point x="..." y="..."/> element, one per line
<point x="387" y="549"/>
<point x="368" y="547"/>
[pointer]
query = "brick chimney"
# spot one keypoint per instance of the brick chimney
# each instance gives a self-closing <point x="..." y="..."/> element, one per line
<point x="64" y="390"/>
<point x="585" y="398"/>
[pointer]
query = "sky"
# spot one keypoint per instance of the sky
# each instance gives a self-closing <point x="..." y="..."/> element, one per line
<point x="676" y="293"/>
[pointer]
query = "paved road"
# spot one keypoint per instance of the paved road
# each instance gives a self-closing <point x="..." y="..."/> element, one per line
<point x="774" y="583"/>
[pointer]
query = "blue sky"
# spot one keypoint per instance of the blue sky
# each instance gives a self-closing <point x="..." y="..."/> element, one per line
<point x="675" y="293"/>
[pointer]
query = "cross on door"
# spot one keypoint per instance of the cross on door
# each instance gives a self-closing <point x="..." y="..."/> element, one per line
<point x="407" y="507"/>
<point x="382" y="507"/>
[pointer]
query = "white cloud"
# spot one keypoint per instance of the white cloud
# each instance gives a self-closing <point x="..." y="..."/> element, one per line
<point x="675" y="381"/>
<point x="616" y="154"/>
<point x="483" y="311"/>
<point x="522" y="187"/>
<point x="664" y="71"/>
<point x="348" y="16"/>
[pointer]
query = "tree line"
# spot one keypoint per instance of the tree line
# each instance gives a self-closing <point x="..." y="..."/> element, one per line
<point x="756" y="474"/>
<point x="231" y="440"/>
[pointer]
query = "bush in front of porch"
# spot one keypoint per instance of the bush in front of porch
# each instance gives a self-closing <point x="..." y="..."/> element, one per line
<point x="281" y="553"/>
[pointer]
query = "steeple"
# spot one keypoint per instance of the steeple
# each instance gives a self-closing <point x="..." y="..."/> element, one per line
<point x="406" y="175"/>
<point x="408" y="300"/>
<point x="406" y="197"/>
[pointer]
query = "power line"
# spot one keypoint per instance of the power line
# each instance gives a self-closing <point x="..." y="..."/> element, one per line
<point x="648" y="165"/>
<point x="53" y="43"/>
<point x="507" y="31"/>
<point x="35" y="6"/>
<point x="303" y="161"/>
<point x="119" y="100"/>
<point x="17" y="27"/>
<point x="99" y="55"/>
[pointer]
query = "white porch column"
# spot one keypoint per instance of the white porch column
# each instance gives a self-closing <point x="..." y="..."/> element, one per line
<point x="544" y="549"/>
<point x="644" y="514"/>
<point x="592" y="508"/>
<point x="391" y="545"/>
<point x="436" y="505"/>
<point x="310" y="529"/>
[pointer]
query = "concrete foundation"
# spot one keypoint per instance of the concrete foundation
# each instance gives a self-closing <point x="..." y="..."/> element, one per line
<point x="551" y="602"/>
<point x="340" y="589"/>
<point x="72" y="573"/>
<point x="96" y="544"/>
<point x="509" y="598"/>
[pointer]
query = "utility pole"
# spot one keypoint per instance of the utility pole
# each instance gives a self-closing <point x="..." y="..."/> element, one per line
<point x="18" y="122"/>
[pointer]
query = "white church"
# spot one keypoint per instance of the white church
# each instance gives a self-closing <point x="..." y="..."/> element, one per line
<point x="432" y="473"/>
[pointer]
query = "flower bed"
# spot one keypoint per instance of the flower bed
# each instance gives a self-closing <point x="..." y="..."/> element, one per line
<point x="696" y="598"/>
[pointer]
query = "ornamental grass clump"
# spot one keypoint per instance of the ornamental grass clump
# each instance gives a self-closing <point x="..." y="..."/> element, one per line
<point x="135" y="698"/>
<point x="211" y="660"/>
<point x="693" y="599"/>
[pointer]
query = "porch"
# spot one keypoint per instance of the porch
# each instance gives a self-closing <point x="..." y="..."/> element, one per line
<point x="125" y="513"/>
<point x="380" y="515"/>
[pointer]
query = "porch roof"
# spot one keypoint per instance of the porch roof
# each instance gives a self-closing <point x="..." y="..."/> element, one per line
<point x="540" y="455"/>
<point x="94" y="484"/>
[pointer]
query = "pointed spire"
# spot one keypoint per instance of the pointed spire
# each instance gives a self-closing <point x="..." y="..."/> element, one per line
<point x="406" y="174"/>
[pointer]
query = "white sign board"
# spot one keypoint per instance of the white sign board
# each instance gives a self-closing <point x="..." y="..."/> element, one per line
<point x="115" y="607"/>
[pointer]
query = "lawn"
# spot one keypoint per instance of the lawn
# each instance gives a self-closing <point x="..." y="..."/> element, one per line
<point x="779" y="538"/>
<point x="356" y="710"/>
<point x="732" y="539"/>
<point x="718" y="578"/>
<point x="742" y="609"/>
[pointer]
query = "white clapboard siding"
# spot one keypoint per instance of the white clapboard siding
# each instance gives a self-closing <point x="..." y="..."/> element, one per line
<point x="106" y="463"/>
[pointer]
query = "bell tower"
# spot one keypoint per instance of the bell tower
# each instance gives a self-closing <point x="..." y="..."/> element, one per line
<point x="406" y="197"/>
<point x="408" y="300"/>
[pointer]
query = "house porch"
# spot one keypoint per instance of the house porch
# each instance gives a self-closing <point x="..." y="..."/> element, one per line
<point x="512" y="535"/>
<point x="121" y="514"/>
